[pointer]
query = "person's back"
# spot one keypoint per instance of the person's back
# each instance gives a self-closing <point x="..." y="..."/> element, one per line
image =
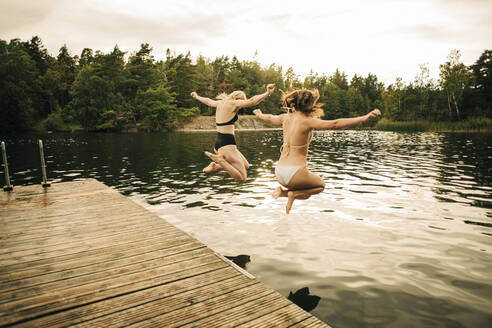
<point x="225" y="116"/>
<point x="297" y="136"/>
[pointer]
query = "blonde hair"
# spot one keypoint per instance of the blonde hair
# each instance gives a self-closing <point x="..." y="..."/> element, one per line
<point x="235" y="95"/>
<point x="303" y="100"/>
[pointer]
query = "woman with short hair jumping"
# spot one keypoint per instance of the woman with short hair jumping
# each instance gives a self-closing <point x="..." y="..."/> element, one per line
<point x="227" y="156"/>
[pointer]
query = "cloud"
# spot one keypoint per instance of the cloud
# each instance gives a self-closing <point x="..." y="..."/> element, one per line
<point x="467" y="3"/>
<point x="277" y="19"/>
<point x="458" y="35"/>
<point x="101" y="25"/>
<point x="432" y="32"/>
<point x="15" y="14"/>
<point x="172" y="30"/>
<point x="386" y="37"/>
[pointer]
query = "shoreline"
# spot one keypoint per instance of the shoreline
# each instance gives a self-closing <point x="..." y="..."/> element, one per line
<point x="235" y="130"/>
<point x="244" y="123"/>
<point x="252" y="123"/>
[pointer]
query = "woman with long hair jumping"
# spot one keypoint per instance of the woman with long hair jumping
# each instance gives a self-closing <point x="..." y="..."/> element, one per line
<point x="302" y="117"/>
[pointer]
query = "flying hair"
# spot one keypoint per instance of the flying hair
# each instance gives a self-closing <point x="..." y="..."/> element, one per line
<point x="303" y="100"/>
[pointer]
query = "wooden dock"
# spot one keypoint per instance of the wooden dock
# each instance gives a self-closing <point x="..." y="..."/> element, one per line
<point x="81" y="254"/>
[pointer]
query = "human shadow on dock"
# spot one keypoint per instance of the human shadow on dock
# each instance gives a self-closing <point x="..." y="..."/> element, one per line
<point x="240" y="260"/>
<point x="302" y="299"/>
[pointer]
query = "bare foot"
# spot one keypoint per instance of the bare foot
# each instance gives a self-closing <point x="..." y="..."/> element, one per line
<point x="212" y="167"/>
<point x="276" y="193"/>
<point x="279" y="192"/>
<point x="290" y="200"/>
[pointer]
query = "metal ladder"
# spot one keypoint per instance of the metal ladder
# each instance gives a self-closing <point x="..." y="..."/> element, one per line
<point x="9" y="186"/>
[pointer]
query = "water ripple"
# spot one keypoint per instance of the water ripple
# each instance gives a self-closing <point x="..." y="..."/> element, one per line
<point x="401" y="236"/>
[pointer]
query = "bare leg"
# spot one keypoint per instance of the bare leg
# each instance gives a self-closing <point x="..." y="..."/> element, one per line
<point x="300" y="194"/>
<point x="245" y="161"/>
<point x="220" y="160"/>
<point x="303" y="185"/>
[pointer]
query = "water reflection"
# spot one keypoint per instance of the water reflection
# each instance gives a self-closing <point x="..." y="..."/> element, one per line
<point x="399" y="237"/>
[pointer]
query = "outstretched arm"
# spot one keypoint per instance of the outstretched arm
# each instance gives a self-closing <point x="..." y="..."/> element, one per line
<point x="206" y="101"/>
<point x="342" y="123"/>
<point x="255" y="100"/>
<point x="272" y="119"/>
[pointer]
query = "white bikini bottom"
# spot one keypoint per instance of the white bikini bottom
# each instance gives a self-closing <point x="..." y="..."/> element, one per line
<point x="284" y="173"/>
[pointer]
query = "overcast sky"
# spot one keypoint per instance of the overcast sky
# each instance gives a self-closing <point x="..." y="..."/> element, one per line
<point x="389" y="38"/>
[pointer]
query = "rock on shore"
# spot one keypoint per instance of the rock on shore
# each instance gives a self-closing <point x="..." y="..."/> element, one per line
<point x="245" y="122"/>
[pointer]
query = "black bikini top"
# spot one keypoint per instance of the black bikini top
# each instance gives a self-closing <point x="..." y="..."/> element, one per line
<point x="231" y="122"/>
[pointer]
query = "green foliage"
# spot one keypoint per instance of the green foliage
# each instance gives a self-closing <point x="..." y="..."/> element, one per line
<point x="158" y="107"/>
<point x="110" y="122"/>
<point x="356" y="103"/>
<point x="340" y="80"/>
<point x="19" y="87"/>
<point x="455" y="78"/>
<point x="477" y="124"/>
<point x="92" y="96"/>
<point x="179" y="73"/>
<point x="479" y="99"/>
<point x="105" y="92"/>
<point x="66" y="69"/>
<point x="413" y="126"/>
<point x="86" y="57"/>
<point x="334" y="100"/>
<point x="54" y="122"/>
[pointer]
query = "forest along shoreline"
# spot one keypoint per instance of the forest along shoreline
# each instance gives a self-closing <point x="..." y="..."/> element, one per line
<point x="112" y="92"/>
<point x="251" y="122"/>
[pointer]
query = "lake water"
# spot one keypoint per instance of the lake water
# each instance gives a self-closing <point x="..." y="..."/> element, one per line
<point x="400" y="237"/>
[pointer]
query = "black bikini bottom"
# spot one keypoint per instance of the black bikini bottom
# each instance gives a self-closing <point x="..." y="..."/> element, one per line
<point x="224" y="139"/>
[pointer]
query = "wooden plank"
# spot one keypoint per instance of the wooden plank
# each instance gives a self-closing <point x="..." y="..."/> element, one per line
<point x="53" y="243"/>
<point x="212" y="287"/>
<point x="82" y="254"/>
<point x="77" y="220"/>
<point x="61" y="300"/>
<point x="111" y="254"/>
<point x="18" y="258"/>
<point x="120" y="245"/>
<point x="78" y="212"/>
<point x="283" y="317"/>
<point x="115" y="311"/>
<point x="74" y="277"/>
<point x="35" y="193"/>
<point x="310" y="322"/>
<point x="203" y="309"/>
<point x="246" y="312"/>
<point x="103" y="274"/>
<point x="70" y="237"/>
<point x="75" y="232"/>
